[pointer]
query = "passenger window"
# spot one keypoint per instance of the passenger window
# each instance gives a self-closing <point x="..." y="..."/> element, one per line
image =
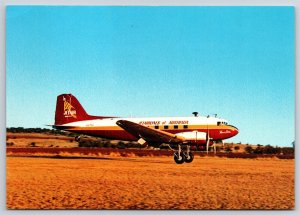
<point x="185" y="126"/>
<point x="175" y="126"/>
<point x="156" y="127"/>
<point x="218" y="123"/>
<point x="166" y="127"/>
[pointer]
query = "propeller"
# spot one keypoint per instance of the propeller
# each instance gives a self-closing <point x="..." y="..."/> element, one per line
<point x="215" y="151"/>
<point x="207" y="140"/>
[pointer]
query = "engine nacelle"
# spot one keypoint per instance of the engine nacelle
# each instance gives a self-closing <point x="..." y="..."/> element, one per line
<point x="193" y="135"/>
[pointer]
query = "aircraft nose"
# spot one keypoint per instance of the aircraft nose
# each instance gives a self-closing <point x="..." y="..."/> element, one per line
<point x="234" y="130"/>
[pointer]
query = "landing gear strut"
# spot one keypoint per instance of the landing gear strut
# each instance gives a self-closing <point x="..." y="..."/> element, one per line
<point x="189" y="156"/>
<point x="180" y="156"/>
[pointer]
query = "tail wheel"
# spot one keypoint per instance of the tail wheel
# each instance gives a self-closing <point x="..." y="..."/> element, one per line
<point x="190" y="158"/>
<point x="179" y="159"/>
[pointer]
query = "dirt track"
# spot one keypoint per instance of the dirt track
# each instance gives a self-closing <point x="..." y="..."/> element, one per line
<point x="149" y="183"/>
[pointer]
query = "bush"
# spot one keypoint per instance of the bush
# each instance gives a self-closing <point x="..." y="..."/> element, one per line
<point x="248" y="149"/>
<point x="132" y="144"/>
<point x="121" y="145"/>
<point x="228" y="149"/>
<point x="107" y="144"/>
<point x="288" y="151"/>
<point x="236" y="148"/>
<point x="33" y="144"/>
<point x="258" y="150"/>
<point x="86" y="143"/>
<point x="9" y="143"/>
<point x="271" y="150"/>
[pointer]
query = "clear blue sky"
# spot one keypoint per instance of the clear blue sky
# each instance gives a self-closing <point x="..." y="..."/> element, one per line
<point x="155" y="61"/>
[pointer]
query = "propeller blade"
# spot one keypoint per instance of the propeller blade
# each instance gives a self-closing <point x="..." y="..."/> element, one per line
<point x="215" y="147"/>
<point x="207" y="142"/>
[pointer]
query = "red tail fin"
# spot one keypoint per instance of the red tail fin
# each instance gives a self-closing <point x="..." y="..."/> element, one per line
<point x="68" y="109"/>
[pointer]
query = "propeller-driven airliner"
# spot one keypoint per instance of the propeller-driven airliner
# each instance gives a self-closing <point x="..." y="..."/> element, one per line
<point x="182" y="132"/>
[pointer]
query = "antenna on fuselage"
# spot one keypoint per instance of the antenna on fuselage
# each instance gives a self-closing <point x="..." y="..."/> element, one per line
<point x="195" y="114"/>
<point x="215" y="115"/>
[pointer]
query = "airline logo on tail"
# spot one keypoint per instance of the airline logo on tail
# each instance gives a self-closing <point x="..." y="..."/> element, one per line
<point x="69" y="110"/>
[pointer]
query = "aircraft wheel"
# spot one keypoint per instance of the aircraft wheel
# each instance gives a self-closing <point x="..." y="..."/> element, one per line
<point x="177" y="159"/>
<point x="190" y="159"/>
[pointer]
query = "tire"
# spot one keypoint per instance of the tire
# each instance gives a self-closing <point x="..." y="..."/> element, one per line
<point x="191" y="158"/>
<point x="181" y="161"/>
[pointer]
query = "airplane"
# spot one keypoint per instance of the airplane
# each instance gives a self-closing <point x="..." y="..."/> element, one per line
<point x="182" y="132"/>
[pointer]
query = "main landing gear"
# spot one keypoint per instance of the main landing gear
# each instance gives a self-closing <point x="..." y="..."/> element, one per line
<point x="180" y="156"/>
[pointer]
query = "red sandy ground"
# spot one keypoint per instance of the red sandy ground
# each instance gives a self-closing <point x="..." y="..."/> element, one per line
<point x="132" y="182"/>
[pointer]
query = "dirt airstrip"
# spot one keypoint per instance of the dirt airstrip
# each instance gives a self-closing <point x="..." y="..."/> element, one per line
<point x="114" y="182"/>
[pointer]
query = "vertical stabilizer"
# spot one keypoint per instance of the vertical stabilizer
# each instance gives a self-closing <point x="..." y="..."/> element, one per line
<point x="68" y="109"/>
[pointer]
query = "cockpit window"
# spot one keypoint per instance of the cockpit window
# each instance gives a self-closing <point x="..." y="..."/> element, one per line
<point x="218" y="123"/>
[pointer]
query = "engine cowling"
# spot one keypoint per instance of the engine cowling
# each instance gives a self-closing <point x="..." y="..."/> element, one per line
<point x="193" y="136"/>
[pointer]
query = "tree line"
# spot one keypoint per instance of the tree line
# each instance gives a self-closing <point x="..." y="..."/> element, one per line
<point x="104" y="143"/>
<point x="268" y="149"/>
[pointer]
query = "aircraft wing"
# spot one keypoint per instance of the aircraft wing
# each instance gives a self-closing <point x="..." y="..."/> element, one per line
<point x="149" y="134"/>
